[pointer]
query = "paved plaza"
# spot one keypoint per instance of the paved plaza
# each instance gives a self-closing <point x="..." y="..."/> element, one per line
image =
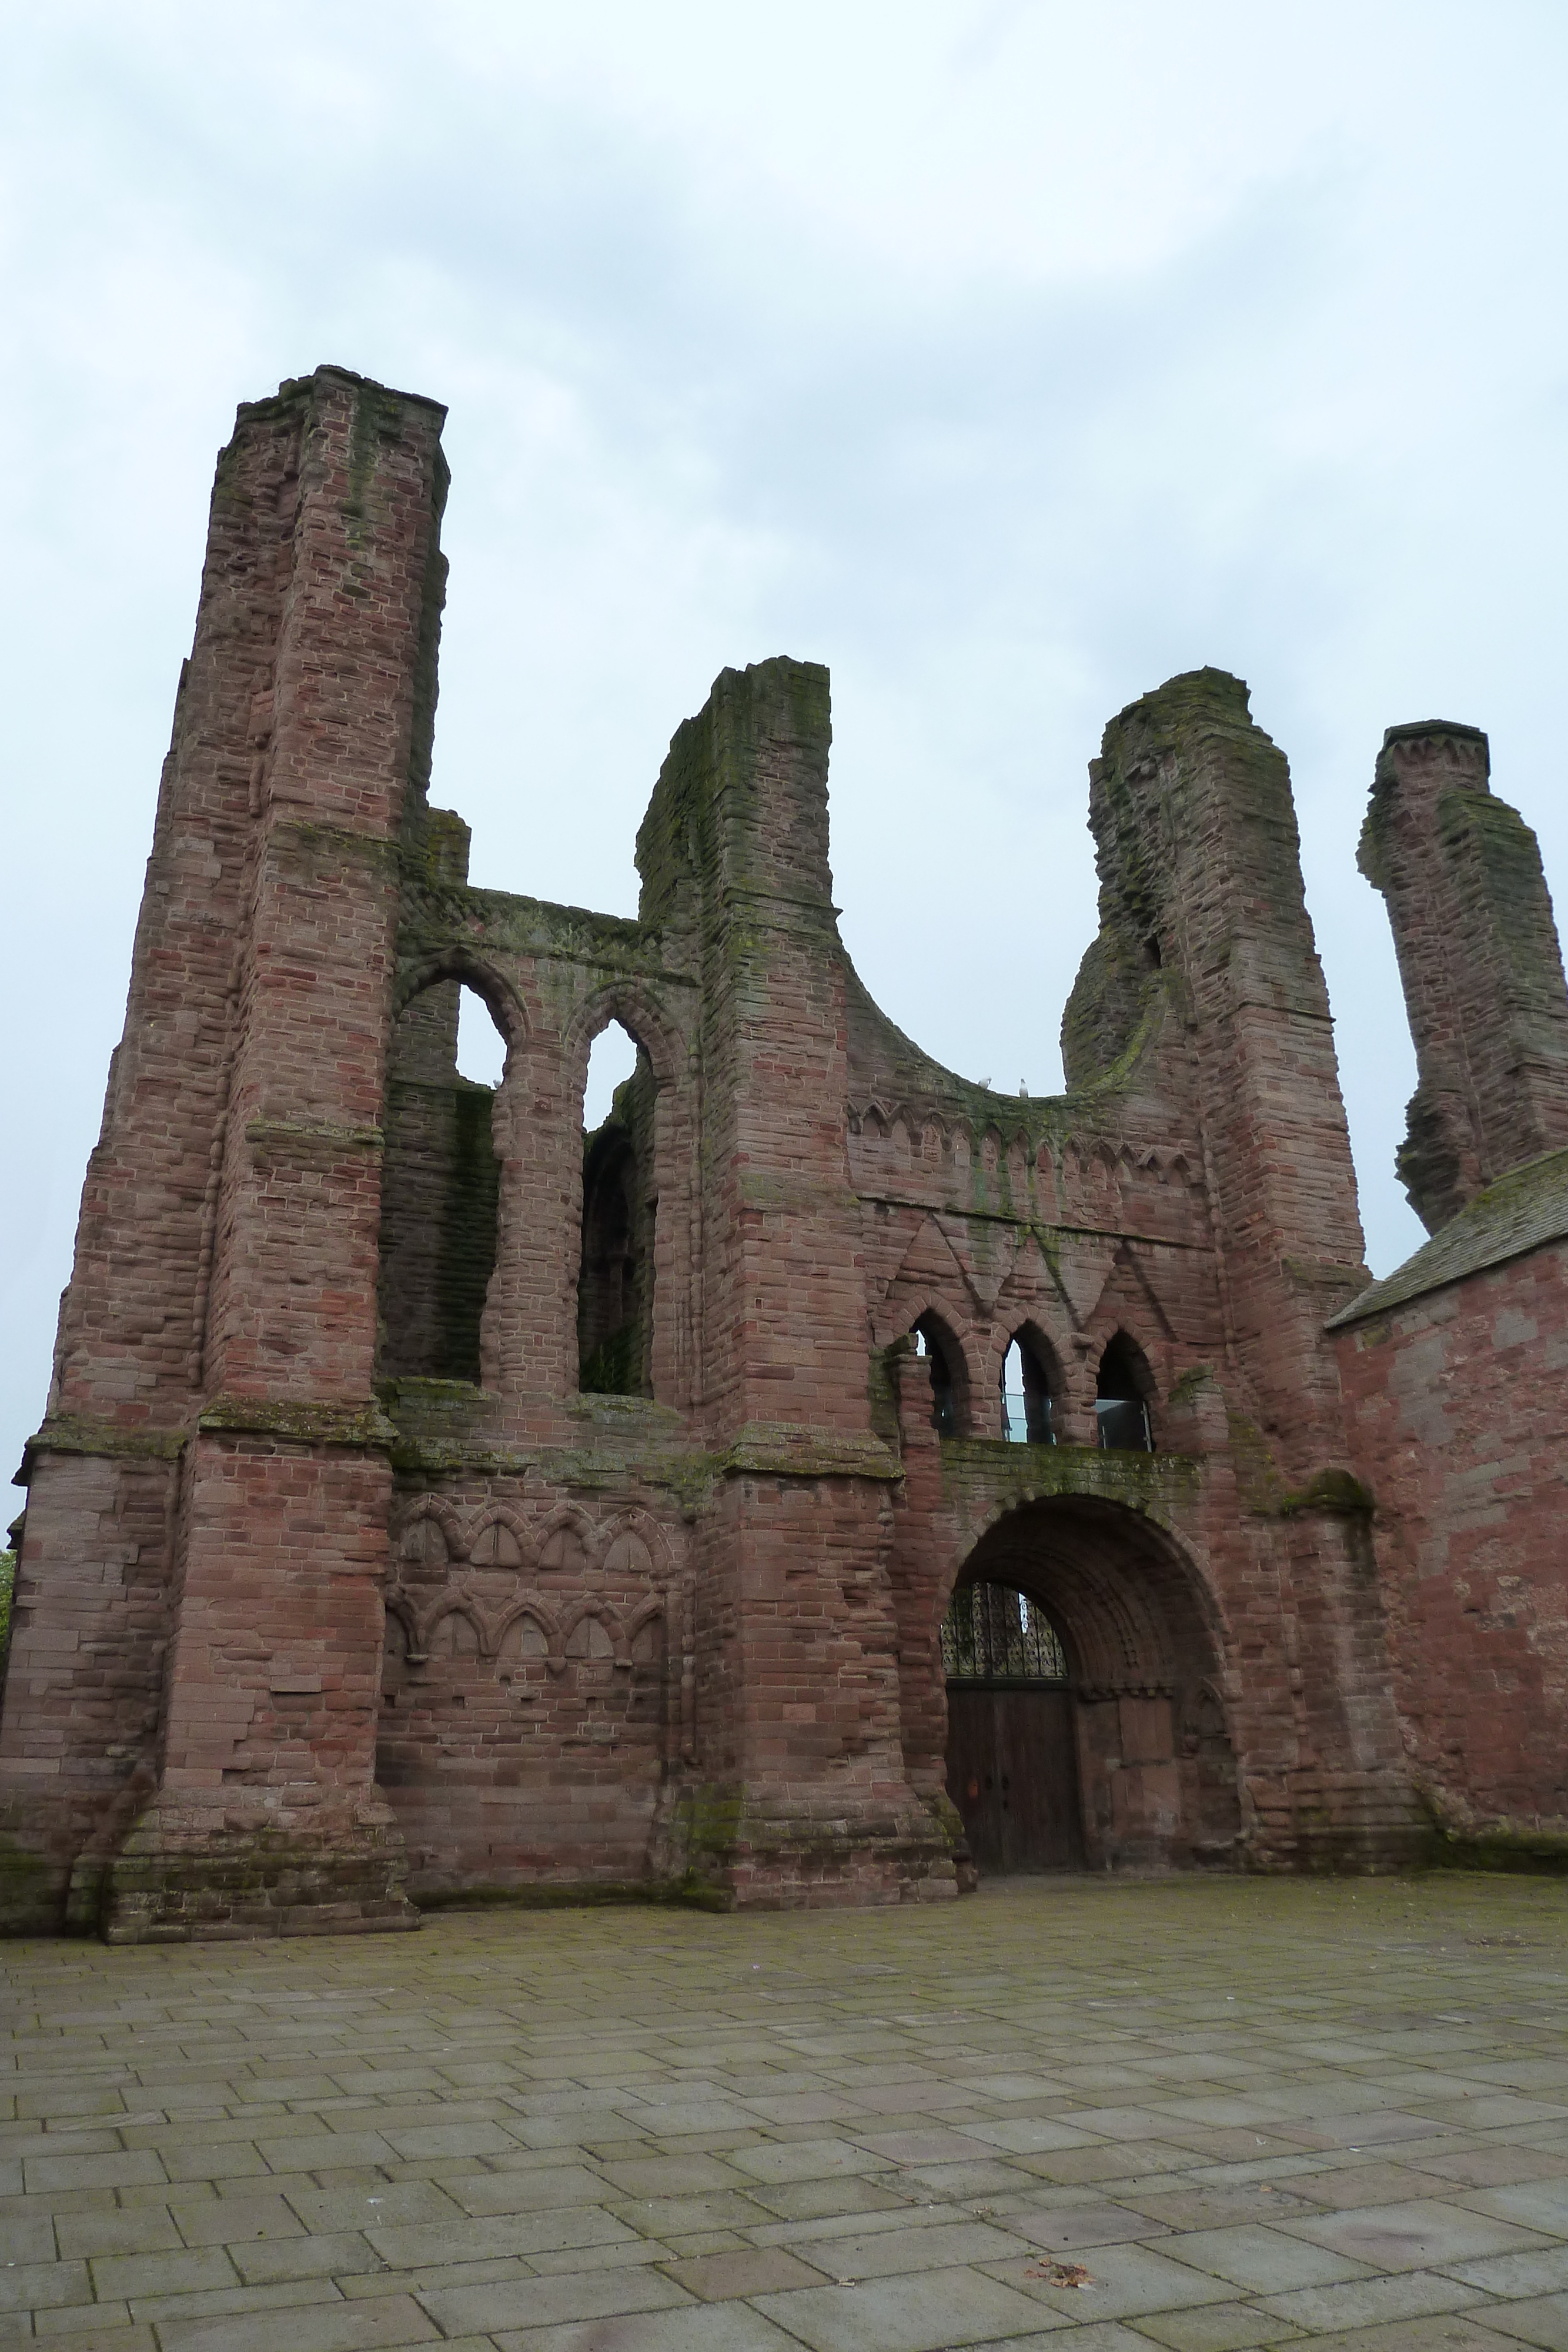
<point x="1103" y="2116"/>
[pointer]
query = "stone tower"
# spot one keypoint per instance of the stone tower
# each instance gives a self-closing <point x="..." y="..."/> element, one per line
<point x="205" y="1533"/>
<point x="1479" y="956"/>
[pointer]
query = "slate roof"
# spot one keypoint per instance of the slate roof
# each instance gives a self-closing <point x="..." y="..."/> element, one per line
<point x="1516" y="1214"/>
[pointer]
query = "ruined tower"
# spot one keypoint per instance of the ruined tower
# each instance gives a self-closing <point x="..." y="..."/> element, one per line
<point x="1452" y="1367"/>
<point x="434" y="1499"/>
<point x="205" y="1537"/>
<point x="1478" y="957"/>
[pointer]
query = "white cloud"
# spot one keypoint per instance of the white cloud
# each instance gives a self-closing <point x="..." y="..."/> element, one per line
<point x="1008" y="358"/>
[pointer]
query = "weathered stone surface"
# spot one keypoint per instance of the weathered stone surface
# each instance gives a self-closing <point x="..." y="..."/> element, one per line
<point x="434" y="1502"/>
<point x="1192" y="2114"/>
<point x="1456" y="1382"/>
<point x="1455" y="1368"/>
<point x="1478" y="957"/>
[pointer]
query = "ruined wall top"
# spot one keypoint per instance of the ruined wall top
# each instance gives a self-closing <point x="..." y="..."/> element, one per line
<point x="1460" y="873"/>
<point x="741" y="804"/>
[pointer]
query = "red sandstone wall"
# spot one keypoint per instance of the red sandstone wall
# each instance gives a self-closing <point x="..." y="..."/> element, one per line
<point x="614" y="1637"/>
<point x="531" y="1715"/>
<point x="1194" y="1191"/>
<point x="221" y="1313"/>
<point x="1480" y="962"/>
<point x="1457" y="1405"/>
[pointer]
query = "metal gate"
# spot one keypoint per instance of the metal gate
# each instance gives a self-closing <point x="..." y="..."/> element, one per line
<point x="1012" y="1766"/>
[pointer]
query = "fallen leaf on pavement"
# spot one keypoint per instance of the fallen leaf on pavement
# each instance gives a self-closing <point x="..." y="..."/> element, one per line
<point x="1060" y="2274"/>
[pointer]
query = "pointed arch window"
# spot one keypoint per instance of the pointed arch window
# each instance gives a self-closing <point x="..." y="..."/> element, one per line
<point x="1122" y="1400"/>
<point x="939" y="1354"/>
<point x="440" y="1185"/>
<point x="1029" y="1416"/>
<point x="620" y="1210"/>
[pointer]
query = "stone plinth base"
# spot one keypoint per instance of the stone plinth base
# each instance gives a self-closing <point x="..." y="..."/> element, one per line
<point x="760" y="1856"/>
<point x="1338" y="1822"/>
<point x="176" y="1882"/>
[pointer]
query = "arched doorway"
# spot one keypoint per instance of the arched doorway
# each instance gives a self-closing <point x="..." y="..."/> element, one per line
<point x="1082" y="1665"/>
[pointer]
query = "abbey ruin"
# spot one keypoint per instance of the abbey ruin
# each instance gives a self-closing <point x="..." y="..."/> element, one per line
<point x="830" y="1479"/>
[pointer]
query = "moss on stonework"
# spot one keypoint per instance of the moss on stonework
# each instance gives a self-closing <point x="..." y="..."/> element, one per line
<point x="426" y="682"/>
<point x="258" y="1879"/>
<point x="948" y="1819"/>
<point x="1106" y="1014"/>
<point x="1150" y="1483"/>
<point x="801" y="1450"/>
<point x="375" y="420"/>
<point x="76" y="1433"/>
<point x="304" y="1422"/>
<point x="705" y="1828"/>
<point x="1332" y="1491"/>
<point x="704" y="848"/>
<point x="1190" y="747"/>
<point x="1479" y="826"/>
<point x="1260" y="1487"/>
<point x="1507" y="1846"/>
<point x="30" y="1892"/>
<point x="721" y="1831"/>
<point x="634" y="1436"/>
<point x="305" y="1141"/>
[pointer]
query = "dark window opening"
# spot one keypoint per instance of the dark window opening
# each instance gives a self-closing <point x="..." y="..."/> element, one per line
<point x="930" y="1343"/>
<point x="1027" y="1413"/>
<point x="1121" y="1405"/>
<point x="615" y="1280"/>
<point x="994" y="1633"/>
<point x="440" y="1185"/>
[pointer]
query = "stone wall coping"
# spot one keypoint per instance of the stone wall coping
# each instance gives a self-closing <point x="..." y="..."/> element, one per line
<point x="1516" y="1214"/>
<point x="306" y="1420"/>
<point x="801" y="1450"/>
<point x="116" y="1441"/>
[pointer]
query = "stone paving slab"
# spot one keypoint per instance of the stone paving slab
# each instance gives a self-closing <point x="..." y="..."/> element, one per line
<point x="1208" y="2115"/>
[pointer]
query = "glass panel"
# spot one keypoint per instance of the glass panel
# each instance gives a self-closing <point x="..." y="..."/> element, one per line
<point x="993" y="1631"/>
<point x="1123" y="1424"/>
<point x="1026" y="1419"/>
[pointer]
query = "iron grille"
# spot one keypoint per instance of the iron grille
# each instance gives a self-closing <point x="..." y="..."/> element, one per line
<point x="993" y="1632"/>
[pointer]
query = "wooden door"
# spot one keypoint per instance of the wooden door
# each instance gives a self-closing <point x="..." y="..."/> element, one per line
<point x="972" y="1776"/>
<point x="1037" y="1778"/>
<point x="1012" y="1772"/>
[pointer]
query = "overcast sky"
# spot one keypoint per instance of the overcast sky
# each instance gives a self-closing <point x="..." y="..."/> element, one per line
<point x="1007" y="358"/>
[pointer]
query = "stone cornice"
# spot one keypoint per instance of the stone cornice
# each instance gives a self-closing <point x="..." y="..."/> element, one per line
<point x="305" y="1420"/>
<point x="72" y="1433"/>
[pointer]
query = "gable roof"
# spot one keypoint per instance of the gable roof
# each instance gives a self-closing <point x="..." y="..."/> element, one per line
<point x="1514" y="1214"/>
